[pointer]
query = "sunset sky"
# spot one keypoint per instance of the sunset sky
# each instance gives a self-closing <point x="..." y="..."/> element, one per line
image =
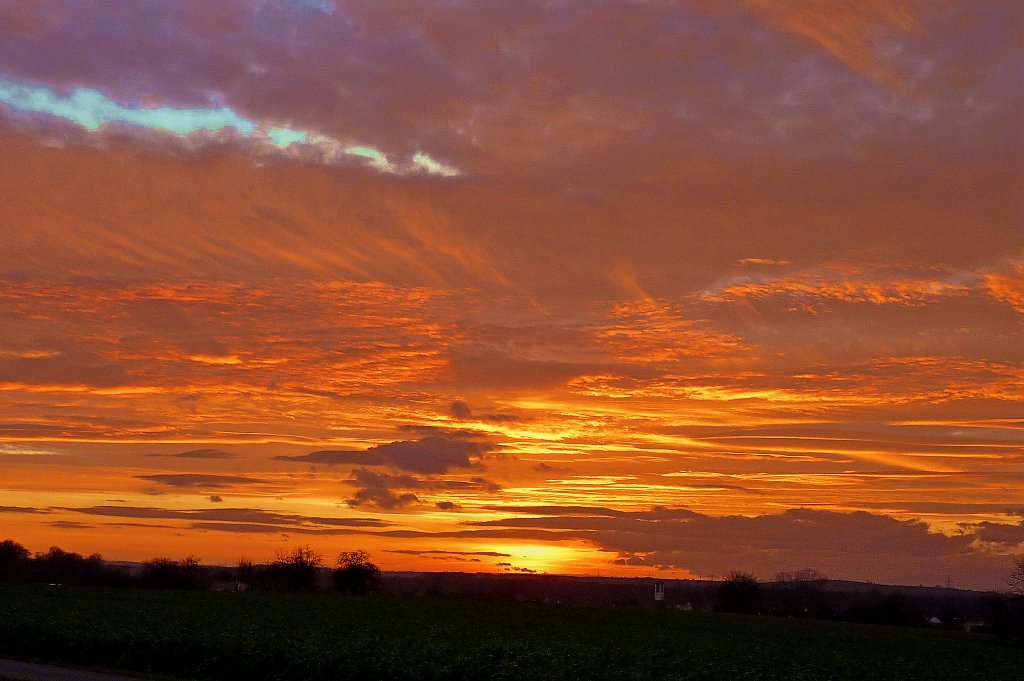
<point x="595" y="287"/>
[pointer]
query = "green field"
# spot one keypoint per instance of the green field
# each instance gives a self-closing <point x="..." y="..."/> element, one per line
<point x="260" y="636"/>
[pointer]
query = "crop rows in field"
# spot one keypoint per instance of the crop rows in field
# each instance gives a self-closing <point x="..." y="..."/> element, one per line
<point x="268" y="637"/>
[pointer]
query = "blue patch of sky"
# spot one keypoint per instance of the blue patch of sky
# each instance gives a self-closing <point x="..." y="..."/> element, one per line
<point x="324" y="6"/>
<point x="284" y="137"/>
<point x="92" y="109"/>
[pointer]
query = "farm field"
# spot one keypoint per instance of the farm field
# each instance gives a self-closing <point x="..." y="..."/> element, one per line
<point x="274" y="637"/>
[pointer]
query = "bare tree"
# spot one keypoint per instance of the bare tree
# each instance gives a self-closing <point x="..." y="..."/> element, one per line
<point x="295" y="570"/>
<point x="165" y="573"/>
<point x="356" y="573"/>
<point x="739" y="592"/>
<point x="1016" y="579"/>
<point x="799" y="593"/>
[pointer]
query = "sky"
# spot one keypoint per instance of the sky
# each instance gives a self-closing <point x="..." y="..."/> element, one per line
<point x="597" y="287"/>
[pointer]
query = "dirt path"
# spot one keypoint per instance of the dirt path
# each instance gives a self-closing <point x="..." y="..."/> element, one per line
<point x="24" y="671"/>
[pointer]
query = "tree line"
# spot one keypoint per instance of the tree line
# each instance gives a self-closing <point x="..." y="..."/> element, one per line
<point x="298" y="569"/>
<point x="805" y="593"/>
<point x="790" y="594"/>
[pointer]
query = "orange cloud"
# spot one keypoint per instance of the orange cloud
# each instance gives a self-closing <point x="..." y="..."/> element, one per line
<point x="845" y="29"/>
<point x="650" y="330"/>
<point x="894" y="292"/>
<point x="1008" y="288"/>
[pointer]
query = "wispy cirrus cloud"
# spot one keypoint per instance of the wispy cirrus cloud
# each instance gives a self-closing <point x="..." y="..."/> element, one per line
<point x="846" y="30"/>
<point x="1008" y="287"/>
<point x="14" y="449"/>
<point x="201" y="453"/>
<point x="242" y="516"/>
<point x="333" y="457"/>
<point x="903" y="292"/>
<point x="198" y="480"/>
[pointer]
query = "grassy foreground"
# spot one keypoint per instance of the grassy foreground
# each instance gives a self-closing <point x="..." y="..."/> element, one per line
<point x="261" y="636"/>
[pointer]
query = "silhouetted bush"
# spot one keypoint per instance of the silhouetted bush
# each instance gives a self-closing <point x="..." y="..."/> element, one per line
<point x="888" y="609"/>
<point x="247" y="574"/>
<point x="1015" y="581"/>
<point x="164" y="573"/>
<point x="14" y="561"/>
<point x="355" y="573"/>
<point x="740" y="592"/>
<point x="295" y="570"/>
<point x="58" y="566"/>
<point x="799" y="594"/>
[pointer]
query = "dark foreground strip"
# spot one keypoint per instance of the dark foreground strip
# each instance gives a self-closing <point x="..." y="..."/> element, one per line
<point x="24" y="671"/>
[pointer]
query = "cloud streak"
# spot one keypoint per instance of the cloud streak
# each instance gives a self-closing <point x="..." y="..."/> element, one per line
<point x="199" y="480"/>
<point x="243" y="516"/>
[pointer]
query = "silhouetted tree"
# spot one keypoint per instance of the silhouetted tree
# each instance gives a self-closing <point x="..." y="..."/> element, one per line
<point x="66" y="567"/>
<point x="1015" y="606"/>
<point x="800" y="593"/>
<point x="56" y="565"/>
<point x="192" y="571"/>
<point x="248" y="575"/>
<point x="14" y="560"/>
<point x="740" y="592"/>
<point x="355" y="573"/>
<point x="159" y="573"/>
<point x="1016" y="579"/>
<point x="998" y="613"/>
<point x="164" y="573"/>
<point x="295" y="570"/>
